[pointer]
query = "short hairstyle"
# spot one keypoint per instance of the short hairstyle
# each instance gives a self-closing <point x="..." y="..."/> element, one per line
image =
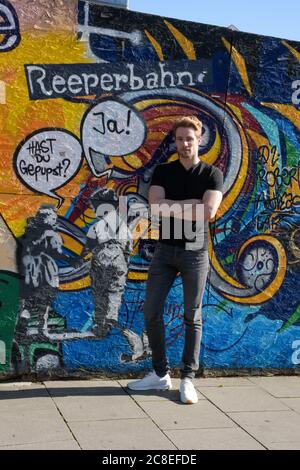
<point x="188" y="121"/>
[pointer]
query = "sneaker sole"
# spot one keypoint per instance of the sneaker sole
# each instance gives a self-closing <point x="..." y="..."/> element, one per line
<point x="189" y="402"/>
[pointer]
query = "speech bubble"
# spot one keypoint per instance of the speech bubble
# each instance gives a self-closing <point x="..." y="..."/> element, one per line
<point x="47" y="159"/>
<point x="111" y="127"/>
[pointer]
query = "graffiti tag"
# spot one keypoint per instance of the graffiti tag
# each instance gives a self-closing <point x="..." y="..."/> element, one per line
<point x="278" y="203"/>
<point x="265" y="154"/>
<point x="280" y="178"/>
<point x="76" y="80"/>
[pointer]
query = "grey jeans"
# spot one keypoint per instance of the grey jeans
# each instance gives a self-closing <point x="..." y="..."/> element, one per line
<point x="167" y="262"/>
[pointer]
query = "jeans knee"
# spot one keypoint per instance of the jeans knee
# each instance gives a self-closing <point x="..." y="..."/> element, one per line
<point x="193" y="316"/>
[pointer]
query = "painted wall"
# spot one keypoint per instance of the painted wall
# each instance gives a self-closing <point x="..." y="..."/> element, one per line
<point x="88" y="97"/>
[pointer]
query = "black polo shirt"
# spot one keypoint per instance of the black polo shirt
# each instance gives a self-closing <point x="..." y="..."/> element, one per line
<point x="180" y="184"/>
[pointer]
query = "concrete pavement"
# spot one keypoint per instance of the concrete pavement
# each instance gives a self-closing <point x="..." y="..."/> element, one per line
<point x="238" y="413"/>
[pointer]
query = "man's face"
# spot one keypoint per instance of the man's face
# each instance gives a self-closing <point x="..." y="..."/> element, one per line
<point x="187" y="142"/>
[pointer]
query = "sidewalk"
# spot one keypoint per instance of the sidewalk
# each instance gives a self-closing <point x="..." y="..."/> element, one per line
<point x="232" y="413"/>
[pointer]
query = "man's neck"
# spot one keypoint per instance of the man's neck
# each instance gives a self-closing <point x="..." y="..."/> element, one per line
<point x="188" y="163"/>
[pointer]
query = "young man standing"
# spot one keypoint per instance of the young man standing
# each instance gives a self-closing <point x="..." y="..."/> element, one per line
<point x="185" y="194"/>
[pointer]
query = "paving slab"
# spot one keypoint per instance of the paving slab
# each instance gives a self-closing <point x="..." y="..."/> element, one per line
<point x="94" y="408"/>
<point x="284" y="446"/>
<point x="270" y="426"/>
<point x="242" y="399"/>
<point x="132" y="434"/>
<point x="19" y="385"/>
<point x="33" y="397"/>
<point x="32" y="426"/>
<point x="279" y="386"/>
<point x="84" y="388"/>
<point x="213" y="439"/>
<point x="292" y="403"/>
<point x="176" y="415"/>
<point x="223" y="382"/>
<point x="57" y="445"/>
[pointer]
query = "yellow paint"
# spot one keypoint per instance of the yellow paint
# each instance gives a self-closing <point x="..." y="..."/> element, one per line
<point x="257" y="138"/>
<point x="292" y="50"/>
<point x="173" y="157"/>
<point x="163" y="119"/>
<point x="71" y="244"/>
<point x="287" y="110"/>
<point x="80" y="284"/>
<point x="58" y="48"/>
<point x="20" y="116"/>
<point x="240" y="64"/>
<point x="137" y="276"/>
<point x="156" y="136"/>
<point x="156" y="45"/>
<point x="121" y="163"/>
<point x="219" y="269"/>
<point x="211" y="156"/>
<point x="236" y="111"/>
<point x="141" y="105"/>
<point x="185" y="44"/>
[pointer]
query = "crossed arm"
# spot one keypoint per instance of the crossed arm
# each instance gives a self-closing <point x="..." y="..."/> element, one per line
<point x="187" y="209"/>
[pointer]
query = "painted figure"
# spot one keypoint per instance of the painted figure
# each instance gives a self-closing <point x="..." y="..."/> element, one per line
<point x="109" y="242"/>
<point x="39" y="247"/>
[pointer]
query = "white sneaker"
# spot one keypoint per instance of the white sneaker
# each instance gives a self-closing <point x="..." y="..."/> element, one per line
<point x="151" y="382"/>
<point x="187" y="391"/>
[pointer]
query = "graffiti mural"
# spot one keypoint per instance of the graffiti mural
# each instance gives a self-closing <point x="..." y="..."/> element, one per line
<point x="94" y="93"/>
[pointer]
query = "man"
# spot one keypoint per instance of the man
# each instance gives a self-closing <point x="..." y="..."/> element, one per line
<point x="186" y="194"/>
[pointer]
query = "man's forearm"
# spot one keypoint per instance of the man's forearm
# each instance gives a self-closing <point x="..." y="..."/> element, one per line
<point x="187" y="209"/>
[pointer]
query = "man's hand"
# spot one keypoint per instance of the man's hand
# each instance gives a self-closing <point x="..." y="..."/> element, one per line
<point x="187" y="209"/>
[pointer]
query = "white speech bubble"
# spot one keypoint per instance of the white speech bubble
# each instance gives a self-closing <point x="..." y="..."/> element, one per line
<point x="110" y="128"/>
<point x="47" y="159"/>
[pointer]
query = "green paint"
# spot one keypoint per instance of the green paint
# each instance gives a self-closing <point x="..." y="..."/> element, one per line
<point x="228" y="260"/>
<point x="46" y="347"/>
<point x="221" y="306"/>
<point x="9" y="305"/>
<point x="291" y="153"/>
<point x="291" y="320"/>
